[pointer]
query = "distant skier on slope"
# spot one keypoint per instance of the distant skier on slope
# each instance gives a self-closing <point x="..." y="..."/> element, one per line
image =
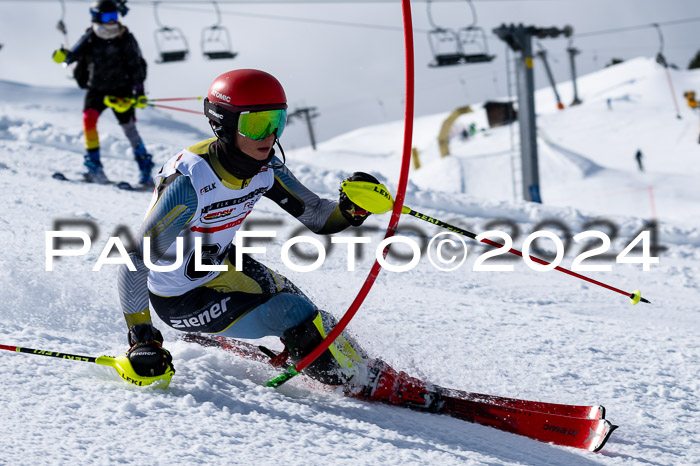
<point x="638" y="158"/>
<point x="203" y="194"/>
<point x="109" y="63"/>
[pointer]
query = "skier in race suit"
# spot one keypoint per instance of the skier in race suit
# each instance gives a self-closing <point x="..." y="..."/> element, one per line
<point x="108" y="63"/>
<point x="204" y="193"/>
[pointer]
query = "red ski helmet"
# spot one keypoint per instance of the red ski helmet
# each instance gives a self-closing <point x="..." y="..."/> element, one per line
<point x="238" y="91"/>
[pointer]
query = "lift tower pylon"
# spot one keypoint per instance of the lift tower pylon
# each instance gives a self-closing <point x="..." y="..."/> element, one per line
<point x="519" y="38"/>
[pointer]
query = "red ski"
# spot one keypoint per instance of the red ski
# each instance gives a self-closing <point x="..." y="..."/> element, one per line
<point x="587" y="434"/>
<point x="584" y="412"/>
<point x="568" y="425"/>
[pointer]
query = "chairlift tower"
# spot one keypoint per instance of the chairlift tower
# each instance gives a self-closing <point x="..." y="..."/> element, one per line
<point x="519" y="39"/>
<point x="308" y="113"/>
<point x="573" y="51"/>
<point x="543" y="55"/>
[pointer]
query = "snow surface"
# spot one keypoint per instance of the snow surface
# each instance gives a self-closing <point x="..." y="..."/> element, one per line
<point x="535" y="335"/>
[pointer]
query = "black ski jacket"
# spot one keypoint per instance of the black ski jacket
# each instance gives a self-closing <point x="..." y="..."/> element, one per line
<point x="107" y="64"/>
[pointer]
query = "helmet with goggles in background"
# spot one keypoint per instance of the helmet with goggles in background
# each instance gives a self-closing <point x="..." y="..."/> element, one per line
<point x="104" y="11"/>
<point x="248" y="102"/>
<point x="107" y="11"/>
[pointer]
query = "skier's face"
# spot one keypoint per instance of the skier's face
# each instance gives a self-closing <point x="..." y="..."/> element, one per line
<point x="259" y="150"/>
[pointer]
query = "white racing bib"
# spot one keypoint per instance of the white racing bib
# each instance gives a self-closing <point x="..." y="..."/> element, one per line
<point x="220" y="213"/>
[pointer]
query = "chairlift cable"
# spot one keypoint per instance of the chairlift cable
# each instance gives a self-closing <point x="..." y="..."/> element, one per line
<point x="638" y="27"/>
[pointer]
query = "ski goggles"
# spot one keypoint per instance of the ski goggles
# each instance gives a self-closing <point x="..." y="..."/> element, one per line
<point x="259" y="125"/>
<point x="112" y="16"/>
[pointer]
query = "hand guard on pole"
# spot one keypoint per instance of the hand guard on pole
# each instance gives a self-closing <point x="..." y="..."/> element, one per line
<point x="353" y="213"/>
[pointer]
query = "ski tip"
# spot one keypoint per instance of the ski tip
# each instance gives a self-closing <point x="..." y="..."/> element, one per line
<point x="597" y="412"/>
<point x="601" y="410"/>
<point x="609" y="429"/>
<point x="59" y="176"/>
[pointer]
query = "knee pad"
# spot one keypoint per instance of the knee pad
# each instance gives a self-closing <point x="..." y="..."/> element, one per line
<point x="336" y="365"/>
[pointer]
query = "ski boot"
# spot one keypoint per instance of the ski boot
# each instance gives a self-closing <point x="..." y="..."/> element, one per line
<point x="336" y="365"/>
<point x="94" y="173"/>
<point x="143" y="159"/>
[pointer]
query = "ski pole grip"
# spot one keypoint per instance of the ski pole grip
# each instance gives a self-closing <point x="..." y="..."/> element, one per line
<point x="282" y="378"/>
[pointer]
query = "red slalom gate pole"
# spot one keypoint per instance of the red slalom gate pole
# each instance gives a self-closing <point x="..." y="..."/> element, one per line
<point x="396" y="213"/>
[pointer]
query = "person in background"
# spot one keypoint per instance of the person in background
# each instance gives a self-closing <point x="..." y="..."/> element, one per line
<point x="638" y="157"/>
<point x="109" y="65"/>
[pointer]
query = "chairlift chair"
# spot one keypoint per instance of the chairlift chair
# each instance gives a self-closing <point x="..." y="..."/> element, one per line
<point x="216" y="40"/>
<point x="470" y="35"/>
<point x="453" y="57"/>
<point x="171" y="43"/>
<point x="216" y="43"/>
<point x="475" y="35"/>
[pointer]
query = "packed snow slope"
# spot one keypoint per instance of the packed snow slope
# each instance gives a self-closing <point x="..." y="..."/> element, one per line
<point x="535" y="335"/>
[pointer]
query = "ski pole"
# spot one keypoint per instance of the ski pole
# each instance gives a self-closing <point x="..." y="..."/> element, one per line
<point x="121" y="364"/>
<point x="176" y="108"/>
<point x="376" y="199"/>
<point x="172" y="99"/>
<point x="123" y="104"/>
